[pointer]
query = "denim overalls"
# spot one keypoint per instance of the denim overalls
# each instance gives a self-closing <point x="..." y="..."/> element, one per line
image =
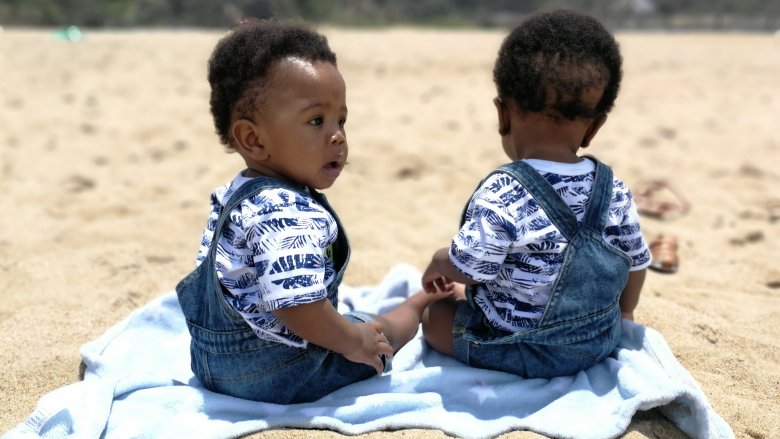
<point x="229" y="358"/>
<point x="581" y="324"/>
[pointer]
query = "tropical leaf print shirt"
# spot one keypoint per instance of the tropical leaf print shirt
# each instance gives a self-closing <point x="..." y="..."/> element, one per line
<point x="509" y="244"/>
<point x="273" y="253"/>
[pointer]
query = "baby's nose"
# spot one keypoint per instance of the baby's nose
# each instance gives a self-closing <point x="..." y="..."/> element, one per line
<point x="338" y="137"/>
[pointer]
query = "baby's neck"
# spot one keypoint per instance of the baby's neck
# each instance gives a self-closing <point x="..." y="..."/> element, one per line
<point x="250" y="172"/>
<point x="537" y="136"/>
<point x="560" y="155"/>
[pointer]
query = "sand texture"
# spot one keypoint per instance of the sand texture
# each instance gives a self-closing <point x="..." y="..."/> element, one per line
<point x="108" y="157"/>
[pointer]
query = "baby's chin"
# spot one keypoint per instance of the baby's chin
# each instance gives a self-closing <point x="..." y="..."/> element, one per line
<point x="323" y="185"/>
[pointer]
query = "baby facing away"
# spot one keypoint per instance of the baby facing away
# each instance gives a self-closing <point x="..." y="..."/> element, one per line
<point x="550" y="249"/>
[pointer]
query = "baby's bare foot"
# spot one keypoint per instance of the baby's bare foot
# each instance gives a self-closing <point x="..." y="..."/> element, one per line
<point x="420" y="300"/>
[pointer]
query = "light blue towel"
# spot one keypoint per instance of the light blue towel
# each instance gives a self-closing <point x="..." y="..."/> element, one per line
<point x="138" y="384"/>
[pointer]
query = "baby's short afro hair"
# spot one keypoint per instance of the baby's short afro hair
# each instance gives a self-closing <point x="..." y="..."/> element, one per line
<point x="555" y="61"/>
<point x="241" y="60"/>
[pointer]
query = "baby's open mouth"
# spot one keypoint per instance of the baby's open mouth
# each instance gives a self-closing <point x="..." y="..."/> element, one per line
<point x="333" y="165"/>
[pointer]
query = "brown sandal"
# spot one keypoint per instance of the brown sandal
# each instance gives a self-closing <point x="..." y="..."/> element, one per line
<point x="659" y="199"/>
<point x="663" y="250"/>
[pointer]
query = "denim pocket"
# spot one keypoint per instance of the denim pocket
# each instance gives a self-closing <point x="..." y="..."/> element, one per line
<point x="258" y="375"/>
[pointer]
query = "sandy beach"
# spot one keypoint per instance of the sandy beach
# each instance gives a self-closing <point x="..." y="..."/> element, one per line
<point x="108" y="156"/>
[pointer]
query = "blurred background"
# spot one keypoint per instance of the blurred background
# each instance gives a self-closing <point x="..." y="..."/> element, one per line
<point x="108" y="156"/>
<point x="746" y="15"/>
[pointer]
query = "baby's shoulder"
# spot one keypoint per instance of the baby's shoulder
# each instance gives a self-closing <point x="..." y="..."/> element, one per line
<point x="274" y="200"/>
<point x="498" y="183"/>
<point x="278" y="209"/>
<point x="500" y="189"/>
<point x="620" y="191"/>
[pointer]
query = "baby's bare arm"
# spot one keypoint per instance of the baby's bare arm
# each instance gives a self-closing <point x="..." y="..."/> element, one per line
<point x="440" y="273"/>
<point x="320" y="323"/>
<point x="630" y="296"/>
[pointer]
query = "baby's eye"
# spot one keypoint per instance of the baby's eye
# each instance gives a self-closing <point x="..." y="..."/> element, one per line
<point x="316" y="121"/>
<point x="342" y="122"/>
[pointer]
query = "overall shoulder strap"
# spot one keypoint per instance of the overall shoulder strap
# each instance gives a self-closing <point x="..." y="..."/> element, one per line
<point x="600" y="197"/>
<point x="544" y="194"/>
<point x="246" y="190"/>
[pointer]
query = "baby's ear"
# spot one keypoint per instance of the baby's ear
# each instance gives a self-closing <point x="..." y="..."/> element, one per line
<point x="504" y="116"/>
<point x="593" y="128"/>
<point x="247" y="139"/>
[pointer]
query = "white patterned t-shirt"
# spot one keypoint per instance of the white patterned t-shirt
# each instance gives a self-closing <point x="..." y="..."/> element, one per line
<point x="508" y="243"/>
<point x="274" y="252"/>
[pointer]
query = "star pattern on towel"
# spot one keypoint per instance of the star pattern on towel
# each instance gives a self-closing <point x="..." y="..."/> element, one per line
<point x="483" y="391"/>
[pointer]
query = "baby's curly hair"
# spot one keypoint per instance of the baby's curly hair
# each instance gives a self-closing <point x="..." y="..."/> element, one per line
<point x="239" y="65"/>
<point x="556" y="63"/>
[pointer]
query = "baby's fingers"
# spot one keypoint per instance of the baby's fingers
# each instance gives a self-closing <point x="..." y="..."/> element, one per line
<point x="442" y="284"/>
<point x="384" y="347"/>
<point x="384" y="353"/>
<point x="377" y="364"/>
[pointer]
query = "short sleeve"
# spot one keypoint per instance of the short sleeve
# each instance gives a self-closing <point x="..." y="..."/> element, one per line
<point x="624" y="231"/>
<point x="483" y="241"/>
<point x="290" y="235"/>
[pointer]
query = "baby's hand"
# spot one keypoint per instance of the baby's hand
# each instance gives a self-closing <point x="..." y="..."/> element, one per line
<point x="372" y="344"/>
<point x="435" y="282"/>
